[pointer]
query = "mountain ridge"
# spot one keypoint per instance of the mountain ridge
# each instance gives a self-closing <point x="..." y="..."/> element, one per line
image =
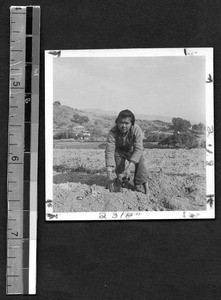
<point x="137" y="116"/>
<point x="70" y="119"/>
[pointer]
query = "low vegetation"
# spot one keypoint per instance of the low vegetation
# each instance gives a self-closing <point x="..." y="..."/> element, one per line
<point x="80" y="125"/>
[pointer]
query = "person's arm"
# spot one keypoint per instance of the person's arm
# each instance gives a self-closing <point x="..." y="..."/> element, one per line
<point x="138" y="145"/>
<point x="109" y="159"/>
<point x="109" y="151"/>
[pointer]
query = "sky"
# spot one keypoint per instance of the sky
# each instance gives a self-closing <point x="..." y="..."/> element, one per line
<point x="167" y="86"/>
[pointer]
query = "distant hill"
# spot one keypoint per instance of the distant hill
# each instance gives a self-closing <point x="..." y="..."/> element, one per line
<point x="96" y="123"/>
<point x="138" y="116"/>
<point x="101" y="111"/>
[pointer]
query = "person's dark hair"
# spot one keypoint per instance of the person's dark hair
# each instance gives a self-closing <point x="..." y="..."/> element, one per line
<point x="126" y="114"/>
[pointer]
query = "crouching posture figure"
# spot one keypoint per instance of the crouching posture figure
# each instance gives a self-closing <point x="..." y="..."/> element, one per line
<point x="125" y="143"/>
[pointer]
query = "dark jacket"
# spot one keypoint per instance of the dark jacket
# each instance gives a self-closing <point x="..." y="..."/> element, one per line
<point x="129" y="146"/>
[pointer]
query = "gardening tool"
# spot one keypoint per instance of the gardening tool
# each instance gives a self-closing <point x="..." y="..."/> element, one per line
<point x="115" y="185"/>
<point x="123" y="180"/>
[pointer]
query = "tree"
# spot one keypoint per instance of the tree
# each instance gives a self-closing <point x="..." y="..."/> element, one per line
<point x="180" y="124"/>
<point x="199" y="127"/>
<point x="57" y="103"/>
<point x="185" y="140"/>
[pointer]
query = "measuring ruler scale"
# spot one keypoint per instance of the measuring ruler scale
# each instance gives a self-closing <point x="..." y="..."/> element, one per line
<point x="23" y="149"/>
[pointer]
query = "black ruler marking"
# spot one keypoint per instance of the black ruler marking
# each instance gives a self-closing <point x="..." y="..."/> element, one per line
<point x="27" y="137"/>
<point x="10" y="200"/>
<point x="27" y="160"/>
<point x="26" y="200"/>
<point x="25" y="256"/>
<point x="29" y="18"/>
<point x="28" y="58"/>
<point x="28" y="107"/>
<point x="27" y="146"/>
<point x="28" y="73"/>
<point x="26" y="216"/>
<point x="21" y="13"/>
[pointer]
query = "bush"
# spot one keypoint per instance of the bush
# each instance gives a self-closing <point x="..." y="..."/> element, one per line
<point x="59" y="135"/>
<point x="199" y="127"/>
<point x="185" y="140"/>
<point x="180" y="124"/>
<point x="154" y="137"/>
<point x="64" y="135"/>
<point x="97" y="132"/>
<point x="79" y="119"/>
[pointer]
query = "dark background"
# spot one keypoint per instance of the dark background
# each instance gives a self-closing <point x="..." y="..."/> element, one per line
<point x="119" y="259"/>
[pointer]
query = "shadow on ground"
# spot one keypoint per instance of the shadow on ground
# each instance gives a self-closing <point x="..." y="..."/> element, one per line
<point x="83" y="178"/>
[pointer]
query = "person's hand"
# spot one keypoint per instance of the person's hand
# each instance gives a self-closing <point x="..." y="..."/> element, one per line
<point x="110" y="178"/>
<point x="127" y="172"/>
<point x="109" y="171"/>
<point x="128" y="169"/>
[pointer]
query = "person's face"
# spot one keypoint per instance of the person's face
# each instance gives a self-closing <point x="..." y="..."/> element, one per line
<point x="124" y="124"/>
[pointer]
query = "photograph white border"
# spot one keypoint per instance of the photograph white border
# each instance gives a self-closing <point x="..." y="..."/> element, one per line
<point x="209" y="213"/>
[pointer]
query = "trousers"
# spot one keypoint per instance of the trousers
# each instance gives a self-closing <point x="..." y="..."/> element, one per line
<point x="140" y="174"/>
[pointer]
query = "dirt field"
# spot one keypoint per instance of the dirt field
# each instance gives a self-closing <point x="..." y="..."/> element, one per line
<point x="177" y="181"/>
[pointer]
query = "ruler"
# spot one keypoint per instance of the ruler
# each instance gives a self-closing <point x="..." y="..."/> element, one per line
<point x="23" y="149"/>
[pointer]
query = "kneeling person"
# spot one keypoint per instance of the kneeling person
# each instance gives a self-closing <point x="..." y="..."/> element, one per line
<point x="125" y="142"/>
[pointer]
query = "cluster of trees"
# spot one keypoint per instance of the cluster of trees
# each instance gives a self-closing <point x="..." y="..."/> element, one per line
<point x="184" y="136"/>
<point x="79" y="119"/>
<point x="180" y="124"/>
<point x="68" y="134"/>
<point x="185" y="140"/>
<point x="154" y="137"/>
<point x="199" y="127"/>
<point x="97" y="133"/>
<point x="183" y="125"/>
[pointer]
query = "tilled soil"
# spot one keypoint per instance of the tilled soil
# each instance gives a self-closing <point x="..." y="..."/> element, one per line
<point x="176" y="179"/>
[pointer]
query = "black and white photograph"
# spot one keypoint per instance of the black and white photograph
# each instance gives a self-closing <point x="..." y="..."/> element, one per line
<point x="110" y="123"/>
<point x="129" y="134"/>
